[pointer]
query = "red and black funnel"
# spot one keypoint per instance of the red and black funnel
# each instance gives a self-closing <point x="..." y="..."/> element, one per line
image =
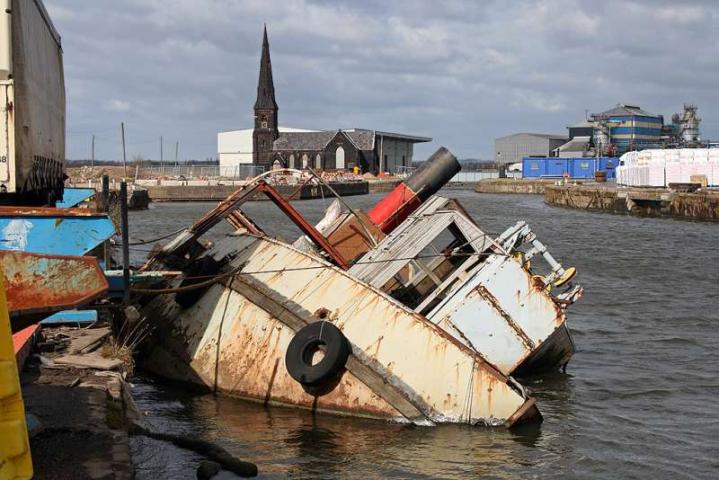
<point x="432" y="175"/>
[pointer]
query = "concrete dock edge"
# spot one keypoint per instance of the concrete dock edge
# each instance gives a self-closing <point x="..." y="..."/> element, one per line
<point x="702" y="205"/>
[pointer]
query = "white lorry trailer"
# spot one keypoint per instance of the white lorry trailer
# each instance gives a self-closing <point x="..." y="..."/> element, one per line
<point x="32" y="105"/>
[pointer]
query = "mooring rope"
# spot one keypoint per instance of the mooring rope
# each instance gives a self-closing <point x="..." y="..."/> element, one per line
<point x="212" y="279"/>
<point x="186" y="288"/>
<point x="152" y="240"/>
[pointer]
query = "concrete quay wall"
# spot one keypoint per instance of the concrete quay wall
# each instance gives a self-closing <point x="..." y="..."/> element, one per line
<point x="382" y="186"/>
<point x="209" y="193"/>
<point x="512" y="185"/>
<point x="650" y="202"/>
<point x="379" y="186"/>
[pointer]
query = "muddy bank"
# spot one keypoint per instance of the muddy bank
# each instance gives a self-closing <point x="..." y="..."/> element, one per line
<point x="82" y="407"/>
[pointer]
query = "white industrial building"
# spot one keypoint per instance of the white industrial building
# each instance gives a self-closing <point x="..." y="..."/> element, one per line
<point x="234" y="147"/>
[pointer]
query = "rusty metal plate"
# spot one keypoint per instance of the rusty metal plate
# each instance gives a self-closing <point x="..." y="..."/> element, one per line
<point x="48" y="212"/>
<point x="37" y="283"/>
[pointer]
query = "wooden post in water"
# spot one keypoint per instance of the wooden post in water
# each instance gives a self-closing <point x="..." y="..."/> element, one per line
<point x="105" y="193"/>
<point x="125" y="243"/>
<point x="105" y="207"/>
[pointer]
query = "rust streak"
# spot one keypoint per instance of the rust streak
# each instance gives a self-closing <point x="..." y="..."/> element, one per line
<point x="484" y="293"/>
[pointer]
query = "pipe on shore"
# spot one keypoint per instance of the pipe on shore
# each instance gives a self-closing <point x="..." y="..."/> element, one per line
<point x="208" y="449"/>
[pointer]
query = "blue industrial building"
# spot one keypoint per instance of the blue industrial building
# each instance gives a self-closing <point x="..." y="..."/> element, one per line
<point x="631" y="128"/>
<point x="596" y="143"/>
<point x="576" y="168"/>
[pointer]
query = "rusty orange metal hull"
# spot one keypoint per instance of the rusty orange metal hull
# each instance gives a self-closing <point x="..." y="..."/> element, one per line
<point x="43" y="284"/>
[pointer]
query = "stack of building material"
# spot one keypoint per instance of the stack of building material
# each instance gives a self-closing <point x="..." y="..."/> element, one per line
<point x="659" y="168"/>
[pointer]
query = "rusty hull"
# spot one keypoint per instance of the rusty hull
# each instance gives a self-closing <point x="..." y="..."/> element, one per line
<point x="43" y="284"/>
<point x="403" y="366"/>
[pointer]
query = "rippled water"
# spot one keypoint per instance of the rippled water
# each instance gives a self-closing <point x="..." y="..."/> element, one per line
<point x="638" y="399"/>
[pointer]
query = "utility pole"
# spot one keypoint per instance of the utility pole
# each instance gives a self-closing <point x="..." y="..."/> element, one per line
<point x="92" y="157"/>
<point x="177" y="147"/>
<point x="162" y="164"/>
<point x="125" y="231"/>
<point x="124" y="156"/>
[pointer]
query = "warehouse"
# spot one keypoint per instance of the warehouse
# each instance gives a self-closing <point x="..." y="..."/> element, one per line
<point x="513" y="148"/>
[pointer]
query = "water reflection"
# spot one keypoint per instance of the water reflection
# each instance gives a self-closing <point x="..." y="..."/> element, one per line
<point x="299" y="444"/>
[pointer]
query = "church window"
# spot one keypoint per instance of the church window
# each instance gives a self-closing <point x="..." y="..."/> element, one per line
<point x="340" y="158"/>
<point x="305" y="160"/>
<point x="318" y="162"/>
<point x="292" y="160"/>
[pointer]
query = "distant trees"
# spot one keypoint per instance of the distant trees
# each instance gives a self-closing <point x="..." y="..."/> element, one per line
<point x="138" y="159"/>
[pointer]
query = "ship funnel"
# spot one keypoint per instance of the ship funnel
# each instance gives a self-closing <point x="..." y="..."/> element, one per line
<point x="432" y="175"/>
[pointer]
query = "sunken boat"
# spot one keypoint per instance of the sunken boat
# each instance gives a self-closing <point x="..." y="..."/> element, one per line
<point x="409" y="312"/>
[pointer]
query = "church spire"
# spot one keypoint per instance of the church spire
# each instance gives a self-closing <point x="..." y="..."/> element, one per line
<point x="265" y="85"/>
<point x="266" y="130"/>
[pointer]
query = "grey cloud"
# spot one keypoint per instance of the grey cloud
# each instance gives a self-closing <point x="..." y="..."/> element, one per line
<point x="462" y="72"/>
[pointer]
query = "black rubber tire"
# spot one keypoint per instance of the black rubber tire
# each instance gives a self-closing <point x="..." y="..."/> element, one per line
<point x="298" y="358"/>
<point x="204" y="268"/>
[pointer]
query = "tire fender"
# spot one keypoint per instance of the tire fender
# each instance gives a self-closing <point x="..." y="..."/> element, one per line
<point x="321" y="335"/>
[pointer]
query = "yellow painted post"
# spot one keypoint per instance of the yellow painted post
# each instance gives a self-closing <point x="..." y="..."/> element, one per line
<point x="15" y="461"/>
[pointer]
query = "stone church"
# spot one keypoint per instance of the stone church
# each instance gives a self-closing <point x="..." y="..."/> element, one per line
<point x="275" y="146"/>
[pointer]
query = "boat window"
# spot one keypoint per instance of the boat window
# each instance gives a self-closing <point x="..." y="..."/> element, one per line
<point x="429" y="270"/>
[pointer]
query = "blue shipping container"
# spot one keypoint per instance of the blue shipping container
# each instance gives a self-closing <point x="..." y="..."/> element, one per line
<point x="582" y="167"/>
<point x="533" y="167"/>
<point x="579" y="168"/>
<point x="557" y="167"/>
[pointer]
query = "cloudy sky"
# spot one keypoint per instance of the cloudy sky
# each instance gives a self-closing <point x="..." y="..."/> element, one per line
<point x="462" y="72"/>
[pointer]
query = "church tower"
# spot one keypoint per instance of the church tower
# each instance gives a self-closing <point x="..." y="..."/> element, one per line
<point x="265" y="132"/>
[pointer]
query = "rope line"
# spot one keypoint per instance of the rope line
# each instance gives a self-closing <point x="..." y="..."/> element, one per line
<point x="152" y="240"/>
<point x="186" y="288"/>
<point x="237" y="271"/>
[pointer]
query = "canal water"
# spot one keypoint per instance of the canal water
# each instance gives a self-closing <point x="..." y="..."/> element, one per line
<point x="639" y="399"/>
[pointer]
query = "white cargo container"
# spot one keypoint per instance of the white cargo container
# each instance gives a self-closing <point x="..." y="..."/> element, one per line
<point x="32" y="105"/>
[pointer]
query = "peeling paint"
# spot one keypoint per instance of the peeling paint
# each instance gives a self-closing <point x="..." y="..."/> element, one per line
<point x="406" y="353"/>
